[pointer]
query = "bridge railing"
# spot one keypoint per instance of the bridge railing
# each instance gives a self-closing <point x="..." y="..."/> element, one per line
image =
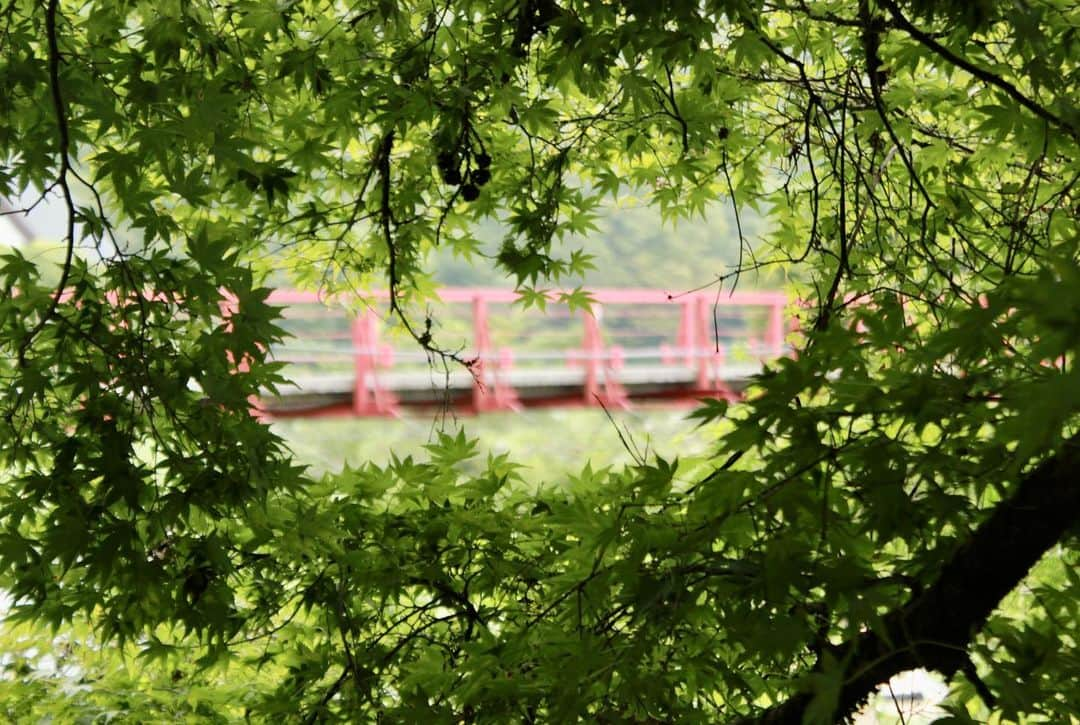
<point x="626" y="334"/>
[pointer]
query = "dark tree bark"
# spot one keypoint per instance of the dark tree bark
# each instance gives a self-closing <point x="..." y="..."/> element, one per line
<point x="934" y="628"/>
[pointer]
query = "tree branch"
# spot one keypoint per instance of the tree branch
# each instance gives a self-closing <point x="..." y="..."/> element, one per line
<point x="981" y="73"/>
<point x="320" y="709"/>
<point x="933" y="629"/>
<point x="386" y="222"/>
<point x="64" y="143"/>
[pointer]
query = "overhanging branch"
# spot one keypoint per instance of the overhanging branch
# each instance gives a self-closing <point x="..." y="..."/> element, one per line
<point x="935" y="627"/>
<point x="981" y="73"/>
<point x="64" y="149"/>
<point x="382" y="163"/>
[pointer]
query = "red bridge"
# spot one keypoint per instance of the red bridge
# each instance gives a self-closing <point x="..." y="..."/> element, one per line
<point x="634" y="344"/>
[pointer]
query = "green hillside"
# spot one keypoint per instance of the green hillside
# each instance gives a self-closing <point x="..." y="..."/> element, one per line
<point x="632" y="246"/>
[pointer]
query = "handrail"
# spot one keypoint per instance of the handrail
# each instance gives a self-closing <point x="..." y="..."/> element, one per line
<point x="602" y="295"/>
<point x="601" y="361"/>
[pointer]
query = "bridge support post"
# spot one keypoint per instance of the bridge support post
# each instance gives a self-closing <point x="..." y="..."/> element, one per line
<point x="614" y="393"/>
<point x="774" y="332"/>
<point x="593" y="350"/>
<point x="506" y="397"/>
<point x="710" y="355"/>
<point x="490" y="392"/>
<point x="686" y="340"/>
<point x="229" y="306"/>
<point x="720" y="388"/>
<point x="369" y="398"/>
<point x="597" y="360"/>
<point x="700" y="341"/>
<point x="482" y="342"/>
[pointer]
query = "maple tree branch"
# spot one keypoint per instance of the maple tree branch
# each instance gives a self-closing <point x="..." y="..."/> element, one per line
<point x="386" y="222"/>
<point x="981" y="73"/>
<point x="320" y="709"/>
<point x="933" y="629"/>
<point x="64" y="144"/>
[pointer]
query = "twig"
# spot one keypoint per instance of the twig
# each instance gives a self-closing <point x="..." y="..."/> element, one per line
<point x="896" y="704"/>
<point x="313" y="716"/>
<point x="344" y="625"/>
<point x="634" y="452"/>
<point x="669" y="95"/>
<point x="981" y="73"/>
<point x="386" y="217"/>
<point x="843" y="265"/>
<point x="984" y="693"/>
<point x="64" y="143"/>
<point x="714" y="474"/>
<point x="738" y="219"/>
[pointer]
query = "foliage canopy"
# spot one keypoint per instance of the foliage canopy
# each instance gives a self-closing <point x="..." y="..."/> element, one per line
<point x="865" y="511"/>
